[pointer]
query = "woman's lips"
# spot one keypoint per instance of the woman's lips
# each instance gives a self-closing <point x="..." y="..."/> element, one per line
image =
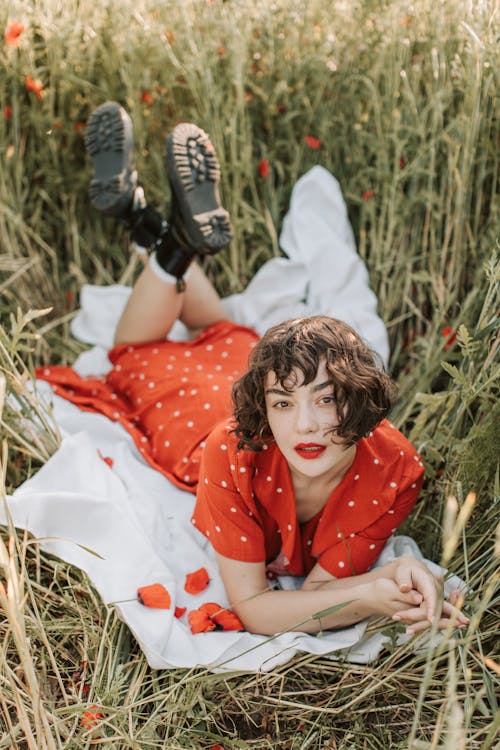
<point x="309" y="450"/>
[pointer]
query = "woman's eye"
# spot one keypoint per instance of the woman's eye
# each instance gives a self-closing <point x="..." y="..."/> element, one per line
<point x="328" y="400"/>
<point x="281" y="404"/>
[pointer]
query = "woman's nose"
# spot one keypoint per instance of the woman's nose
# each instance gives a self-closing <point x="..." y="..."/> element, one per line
<point x="305" y="420"/>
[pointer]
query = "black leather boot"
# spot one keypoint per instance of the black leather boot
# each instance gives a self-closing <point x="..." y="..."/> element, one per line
<point x="113" y="188"/>
<point x="198" y="224"/>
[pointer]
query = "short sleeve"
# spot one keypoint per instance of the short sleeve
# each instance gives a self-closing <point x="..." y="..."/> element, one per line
<point x="356" y="553"/>
<point x="222" y="512"/>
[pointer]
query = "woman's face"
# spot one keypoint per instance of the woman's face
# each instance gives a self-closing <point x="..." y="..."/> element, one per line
<point x="300" y="420"/>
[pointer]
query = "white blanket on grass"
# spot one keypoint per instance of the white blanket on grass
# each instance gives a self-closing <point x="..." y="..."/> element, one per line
<point x="127" y="526"/>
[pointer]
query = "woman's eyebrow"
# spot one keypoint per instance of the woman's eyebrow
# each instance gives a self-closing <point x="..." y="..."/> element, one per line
<point x="315" y="388"/>
<point x="277" y="391"/>
<point x="326" y="384"/>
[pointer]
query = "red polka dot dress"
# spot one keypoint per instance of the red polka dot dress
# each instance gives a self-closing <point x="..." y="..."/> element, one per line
<point x="168" y="395"/>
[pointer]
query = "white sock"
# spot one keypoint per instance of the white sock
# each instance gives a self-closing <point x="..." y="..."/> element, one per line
<point x="161" y="273"/>
<point x="139" y="249"/>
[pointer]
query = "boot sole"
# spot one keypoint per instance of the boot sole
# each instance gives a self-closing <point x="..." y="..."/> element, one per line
<point x="194" y="173"/>
<point x="109" y="143"/>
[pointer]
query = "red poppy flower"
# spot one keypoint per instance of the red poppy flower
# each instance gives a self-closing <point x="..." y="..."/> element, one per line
<point x="221" y="51"/>
<point x="7" y="112"/>
<point x="282" y="109"/>
<point x="13" y="33"/>
<point x="313" y="142"/>
<point x="69" y="296"/>
<point x="368" y="195"/>
<point x="147" y="98"/>
<point x="196" y="582"/>
<point x="155" y="595"/>
<point x="35" y="86"/>
<point x="216" y="747"/>
<point x="402" y="163"/>
<point x="79" y="127"/>
<point x="264" y="168"/>
<point x="211" y="616"/>
<point x="92" y="717"/>
<point x="179" y="611"/>
<point x="449" y="335"/>
<point x="248" y="97"/>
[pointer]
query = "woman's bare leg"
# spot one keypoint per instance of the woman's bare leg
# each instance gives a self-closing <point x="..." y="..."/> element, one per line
<point x="155" y="305"/>
<point x="202" y="305"/>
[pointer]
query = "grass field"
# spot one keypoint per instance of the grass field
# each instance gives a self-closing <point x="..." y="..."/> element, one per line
<point x="400" y="100"/>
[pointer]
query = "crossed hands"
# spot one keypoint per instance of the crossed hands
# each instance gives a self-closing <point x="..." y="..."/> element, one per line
<point x="409" y="593"/>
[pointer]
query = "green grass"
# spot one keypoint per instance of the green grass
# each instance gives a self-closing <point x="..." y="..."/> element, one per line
<point x="404" y="98"/>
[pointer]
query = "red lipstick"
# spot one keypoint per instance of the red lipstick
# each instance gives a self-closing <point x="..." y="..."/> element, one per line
<point x="309" y="450"/>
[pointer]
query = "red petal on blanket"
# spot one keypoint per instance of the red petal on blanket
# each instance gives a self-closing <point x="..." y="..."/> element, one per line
<point x="179" y="611"/>
<point x="155" y="595"/>
<point x="200" y="621"/>
<point x="211" y="609"/>
<point x="223" y="618"/>
<point x="211" y="616"/>
<point x="107" y="459"/>
<point x="228" y="620"/>
<point x="197" y="582"/>
<point x="92" y="717"/>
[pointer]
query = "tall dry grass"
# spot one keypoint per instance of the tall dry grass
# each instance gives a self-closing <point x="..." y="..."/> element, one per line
<point x="404" y="99"/>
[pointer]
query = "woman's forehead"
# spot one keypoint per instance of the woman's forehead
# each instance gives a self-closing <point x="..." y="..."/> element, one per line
<point x="296" y="378"/>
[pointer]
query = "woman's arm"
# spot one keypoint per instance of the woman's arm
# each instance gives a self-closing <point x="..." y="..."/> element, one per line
<point x="266" y="611"/>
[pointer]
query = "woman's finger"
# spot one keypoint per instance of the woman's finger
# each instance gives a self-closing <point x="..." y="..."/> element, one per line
<point x="412" y="574"/>
<point x="403" y="577"/>
<point x="410" y="599"/>
<point x="443" y="622"/>
<point x="453" y="612"/>
<point x="410" y="616"/>
<point x="449" y="614"/>
<point x="427" y="584"/>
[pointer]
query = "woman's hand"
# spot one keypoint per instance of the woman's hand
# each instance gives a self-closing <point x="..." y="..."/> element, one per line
<point x="417" y="618"/>
<point x="410" y="574"/>
<point x="387" y="599"/>
<point x="407" y="580"/>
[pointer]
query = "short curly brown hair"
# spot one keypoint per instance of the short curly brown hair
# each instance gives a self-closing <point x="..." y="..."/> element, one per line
<point x="363" y="392"/>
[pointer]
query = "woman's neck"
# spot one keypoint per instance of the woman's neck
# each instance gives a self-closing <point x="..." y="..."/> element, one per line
<point x="312" y="493"/>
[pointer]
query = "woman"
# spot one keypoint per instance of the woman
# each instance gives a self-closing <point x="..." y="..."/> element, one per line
<point x="307" y="478"/>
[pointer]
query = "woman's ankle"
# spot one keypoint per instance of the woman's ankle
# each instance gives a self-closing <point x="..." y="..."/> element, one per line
<point x="164" y="274"/>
